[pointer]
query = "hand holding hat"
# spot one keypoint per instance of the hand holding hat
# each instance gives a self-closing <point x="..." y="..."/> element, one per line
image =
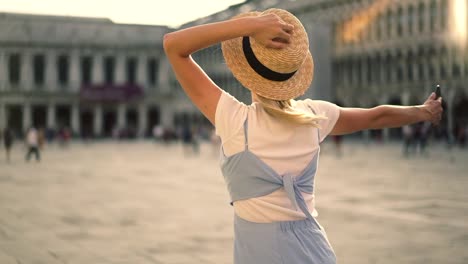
<point x="272" y="31"/>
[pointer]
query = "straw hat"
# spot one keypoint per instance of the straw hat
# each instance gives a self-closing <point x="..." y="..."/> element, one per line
<point x="278" y="74"/>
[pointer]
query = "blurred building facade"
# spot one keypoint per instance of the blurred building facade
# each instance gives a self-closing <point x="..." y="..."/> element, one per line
<point x="89" y="75"/>
<point x="380" y="51"/>
<point x="59" y="71"/>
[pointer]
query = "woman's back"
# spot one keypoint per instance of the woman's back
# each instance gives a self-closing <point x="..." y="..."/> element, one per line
<point x="288" y="149"/>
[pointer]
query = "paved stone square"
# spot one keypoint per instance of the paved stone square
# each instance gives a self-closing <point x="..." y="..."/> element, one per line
<point x="141" y="202"/>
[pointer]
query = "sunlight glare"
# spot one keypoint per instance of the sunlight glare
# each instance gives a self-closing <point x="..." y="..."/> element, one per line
<point x="460" y="22"/>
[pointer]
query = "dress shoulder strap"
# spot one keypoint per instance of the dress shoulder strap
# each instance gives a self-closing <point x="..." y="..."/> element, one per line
<point x="318" y="130"/>
<point x="246" y="137"/>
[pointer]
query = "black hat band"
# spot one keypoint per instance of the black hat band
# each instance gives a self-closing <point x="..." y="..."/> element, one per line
<point x="261" y="69"/>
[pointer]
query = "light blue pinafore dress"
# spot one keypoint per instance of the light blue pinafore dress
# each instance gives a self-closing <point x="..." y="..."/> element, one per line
<point x="288" y="242"/>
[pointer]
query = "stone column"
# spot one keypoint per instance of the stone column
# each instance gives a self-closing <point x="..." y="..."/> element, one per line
<point x="381" y="77"/>
<point x="450" y="122"/>
<point x="98" y="70"/>
<point x="436" y="67"/>
<point x="462" y="65"/>
<point x="360" y="88"/>
<point x="439" y="17"/>
<point x="74" y="71"/>
<point x="405" y="98"/>
<point x="366" y="136"/>
<point x="120" y="65"/>
<point x="97" y="126"/>
<point x="27" y="118"/>
<point x="51" y="114"/>
<point x="121" y="120"/>
<point x="3" y="71"/>
<point x="26" y="70"/>
<point x="167" y="115"/>
<point x="141" y="71"/>
<point x="51" y="69"/>
<point x="163" y="76"/>
<point x="427" y="17"/>
<point x="404" y="71"/>
<point x="375" y="28"/>
<point x="3" y="117"/>
<point x="75" y="119"/>
<point x="142" y="120"/>
<point x="405" y="31"/>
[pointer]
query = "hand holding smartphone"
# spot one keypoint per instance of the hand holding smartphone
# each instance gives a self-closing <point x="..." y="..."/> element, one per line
<point x="437" y="92"/>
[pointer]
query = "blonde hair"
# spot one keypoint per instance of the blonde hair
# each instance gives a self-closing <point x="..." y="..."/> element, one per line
<point x="284" y="110"/>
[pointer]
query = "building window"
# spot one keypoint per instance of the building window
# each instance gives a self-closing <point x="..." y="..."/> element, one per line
<point x="370" y="70"/>
<point x="109" y="70"/>
<point x="411" y="19"/>
<point x="153" y="67"/>
<point x="400" y="74"/>
<point x="389" y="23"/>
<point x="359" y="72"/>
<point x="14" y="68"/>
<point x="433" y="15"/>
<point x="431" y="70"/>
<point x="444" y="14"/>
<point x="421" y="14"/>
<point x="86" y="69"/>
<point x="410" y="72"/>
<point x="389" y="66"/>
<point x="349" y="71"/>
<point x="63" y="69"/>
<point x="378" y="30"/>
<point x="131" y="69"/>
<point x="401" y="21"/>
<point x="39" y="69"/>
<point x="466" y="65"/>
<point x="420" y="75"/>
<point x="456" y="70"/>
<point x="443" y="71"/>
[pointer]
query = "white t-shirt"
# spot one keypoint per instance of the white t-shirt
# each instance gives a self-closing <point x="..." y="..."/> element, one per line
<point x="286" y="148"/>
<point x="32" y="138"/>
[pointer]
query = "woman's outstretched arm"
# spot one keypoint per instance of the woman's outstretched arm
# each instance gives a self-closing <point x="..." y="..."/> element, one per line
<point x="269" y="30"/>
<point x="386" y="116"/>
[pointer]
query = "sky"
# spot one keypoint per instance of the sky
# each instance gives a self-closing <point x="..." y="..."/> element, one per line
<point x="171" y="13"/>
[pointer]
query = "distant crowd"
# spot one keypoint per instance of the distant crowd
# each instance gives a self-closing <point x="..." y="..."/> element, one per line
<point x="415" y="138"/>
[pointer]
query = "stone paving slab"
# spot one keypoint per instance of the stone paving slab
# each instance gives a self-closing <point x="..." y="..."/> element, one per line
<point x="140" y="202"/>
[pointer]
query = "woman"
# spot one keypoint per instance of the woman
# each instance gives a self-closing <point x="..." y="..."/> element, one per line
<point x="8" y="142"/>
<point x="270" y="148"/>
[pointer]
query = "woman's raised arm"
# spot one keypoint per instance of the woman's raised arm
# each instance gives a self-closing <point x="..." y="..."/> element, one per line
<point x="269" y="30"/>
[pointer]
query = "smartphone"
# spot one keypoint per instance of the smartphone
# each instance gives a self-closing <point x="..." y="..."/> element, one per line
<point x="437" y="92"/>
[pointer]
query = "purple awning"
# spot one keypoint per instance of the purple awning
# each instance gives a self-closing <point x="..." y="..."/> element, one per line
<point x="110" y="92"/>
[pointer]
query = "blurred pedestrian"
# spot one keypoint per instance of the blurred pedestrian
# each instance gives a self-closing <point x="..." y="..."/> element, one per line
<point x="187" y="138"/>
<point x="41" y="138"/>
<point x="32" y="143"/>
<point x="196" y="138"/>
<point x="407" y="139"/>
<point x="158" y="132"/>
<point x="64" y="136"/>
<point x="425" y="131"/>
<point x="461" y="134"/>
<point x="270" y="148"/>
<point x="8" y="142"/>
<point x="50" y="134"/>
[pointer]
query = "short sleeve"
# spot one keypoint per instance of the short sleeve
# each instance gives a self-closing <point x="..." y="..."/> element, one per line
<point x="327" y="109"/>
<point x="230" y="116"/>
